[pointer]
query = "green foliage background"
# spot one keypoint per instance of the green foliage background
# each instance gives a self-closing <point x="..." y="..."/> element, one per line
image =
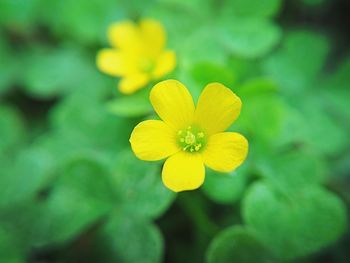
<point x="72" y="191"/>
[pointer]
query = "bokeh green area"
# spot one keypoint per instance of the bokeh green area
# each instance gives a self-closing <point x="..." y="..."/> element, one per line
<point x="71" y="189"/>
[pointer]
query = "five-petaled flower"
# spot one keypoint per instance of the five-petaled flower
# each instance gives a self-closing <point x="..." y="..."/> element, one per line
<point x="138" y="55"/>
<point x="191" y="137"/>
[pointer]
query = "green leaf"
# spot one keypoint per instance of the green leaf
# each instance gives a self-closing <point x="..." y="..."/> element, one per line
<point x="73" y="72"/>
<point x="8" y="65"/>
<point x="258" y="86"/>
<point x="81" y="196"/>
<point x="209" y="50"/>
<point x="266" y="115"/>
<point x="243" y="69"/>
<point x="225" y="188"/>
<point x="19" y="15"/>
<point x="337" y="93"/>
<point x="340" y="169"/>
<point x="238" y="244"/>
<point x="9" y="251"/>
<point x="340" y="78"/>
<point x="299" y="61"/>
<point x="124" y="239"/>
<point x="259" y="8"/>
<point x="42" y="79"/>
<point x="17" y="229"/>
<point x="205" y="73"/>
<point x="12" y="130"/>
<point x="176" y="21"/>
<point x="84" y="123"/>
<point x="34" y="166"/>
<point x="131" y="106"/>
<point x="293" y="170"/>
<point x="295" y="225"/>
<point x="321" y="131"/>
<point x="263" y="112"/>
<point x="189" y="6"/>
<point x="249" y="37"/>
<point x="139" y="186"/>
<point x="83" y="21"/>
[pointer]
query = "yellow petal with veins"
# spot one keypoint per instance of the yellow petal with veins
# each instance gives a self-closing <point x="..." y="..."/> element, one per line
<point x="173" y="103"/>
<point x="153" y="140"/>
<point x="183" y="171"/>
<point x="225" y="151"/>
<point x="218" y="107"/>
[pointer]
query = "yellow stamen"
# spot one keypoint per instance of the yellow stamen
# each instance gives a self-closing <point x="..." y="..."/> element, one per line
<point x="191" y="139"/>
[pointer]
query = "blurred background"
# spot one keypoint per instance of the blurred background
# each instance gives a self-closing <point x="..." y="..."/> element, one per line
<point x="72" y="191"/>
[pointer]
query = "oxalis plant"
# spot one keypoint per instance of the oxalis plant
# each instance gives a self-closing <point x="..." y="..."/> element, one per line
<point x="174" y="131"/>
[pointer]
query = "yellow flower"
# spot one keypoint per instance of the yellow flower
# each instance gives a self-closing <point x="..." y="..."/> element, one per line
<point x="138" y="55"/>
<point x="191" y="137"/>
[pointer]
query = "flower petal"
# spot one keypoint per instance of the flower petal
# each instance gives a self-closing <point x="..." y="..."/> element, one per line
<point x="183" y="171"/>
<point x="124" y="35"/>
<point x="173" y="103"/>
<point x="111" y="62"/>
<point x="153" y="140"/>
<point x="218" y="107"/>
<point x="153" y="36"/>
<point x="225" y="151"/>
<point x="130" y="84"/>
<point x="165" y="63"/>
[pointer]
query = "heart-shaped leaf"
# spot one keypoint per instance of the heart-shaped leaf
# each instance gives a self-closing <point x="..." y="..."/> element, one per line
<point x="296" y="225"/>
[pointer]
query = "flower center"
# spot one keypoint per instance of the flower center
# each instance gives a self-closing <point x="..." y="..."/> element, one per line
<point x="191" y="139"/>
<point x="146" y="65"/>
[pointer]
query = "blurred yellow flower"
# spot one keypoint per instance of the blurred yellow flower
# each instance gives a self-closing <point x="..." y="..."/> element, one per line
<point x="138" y="54"/>
<point x="191" y="137"/>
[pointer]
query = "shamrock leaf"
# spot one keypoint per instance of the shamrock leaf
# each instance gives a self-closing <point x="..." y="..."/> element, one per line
<point x="238" y="244"/>
<point x="295" y="225"/>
